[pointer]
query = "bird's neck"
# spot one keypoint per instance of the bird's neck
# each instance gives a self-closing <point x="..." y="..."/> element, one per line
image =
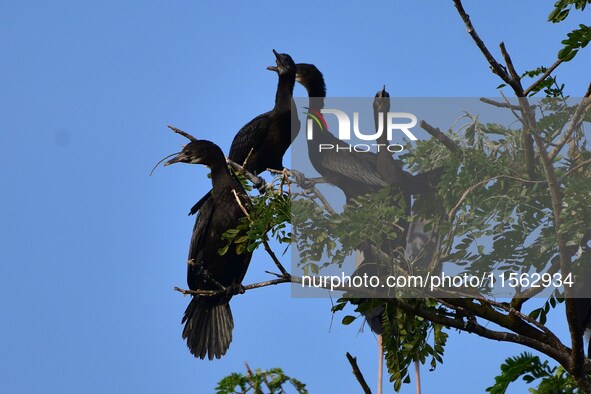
<point x="223" y="182"/>
<point x="383" y="138"/>
<point x="284" y="91"/>
<point x="316" y="94"/>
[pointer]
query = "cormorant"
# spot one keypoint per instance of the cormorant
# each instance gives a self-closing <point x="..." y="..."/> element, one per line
<point x="352" y="172"/>
<point x="265" y="139"/>
<point x="355" y="173"/>
<point x="269" y="135"/>
<point x="208" y="319"/>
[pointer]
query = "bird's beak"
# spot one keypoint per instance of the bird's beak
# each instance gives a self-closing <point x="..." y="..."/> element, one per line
<point x="279" y="62"/>
<point x="273" y="68"/>
<point x="180" y="158"/>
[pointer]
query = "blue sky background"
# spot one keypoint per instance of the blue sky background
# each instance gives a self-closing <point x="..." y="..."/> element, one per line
<point x="91" y="246"/>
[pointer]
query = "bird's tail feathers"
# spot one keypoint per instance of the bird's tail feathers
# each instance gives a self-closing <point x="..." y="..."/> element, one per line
<point x="208" y="328"/>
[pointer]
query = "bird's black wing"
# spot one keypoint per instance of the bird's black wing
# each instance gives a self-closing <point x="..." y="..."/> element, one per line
<point x="351" y="167"/>
<point x="250" y="137"/>
<point x="198" y="239"/>
<point x="357" y="166"/>
<point x="200" y="203"/>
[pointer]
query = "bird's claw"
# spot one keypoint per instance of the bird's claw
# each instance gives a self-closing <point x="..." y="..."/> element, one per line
<point x="235" y="289"/>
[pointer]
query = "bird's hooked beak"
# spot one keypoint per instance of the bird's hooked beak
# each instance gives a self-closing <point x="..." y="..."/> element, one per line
<point x="180" y="158"/>
<point x="273" y="68"/>
<point x="278" y="58"/>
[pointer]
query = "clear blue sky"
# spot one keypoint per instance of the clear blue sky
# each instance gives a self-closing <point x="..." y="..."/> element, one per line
<point x="92" y="246"/>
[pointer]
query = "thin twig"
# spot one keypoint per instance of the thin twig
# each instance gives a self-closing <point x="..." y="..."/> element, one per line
<point x="274" y="257"/>
<point x="240" y="204"/>
<point x="245" y="162"/>
<point x="575" y="123"/>
<point x="513" y="111"/>
<point x="183" y="133"/>
<point x="515" y="79"/>
<point x="500" y="104"/>
<point x="453" y="211"/>
<point x="581" y="164"/>
<point x="358" y="374"/>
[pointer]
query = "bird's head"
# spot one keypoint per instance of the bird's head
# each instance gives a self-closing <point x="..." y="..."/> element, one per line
<point x="285" y="64"/>
<point x="381" y="102"/>
<point x="198" y="152"/>
<point x="310" y="77"/>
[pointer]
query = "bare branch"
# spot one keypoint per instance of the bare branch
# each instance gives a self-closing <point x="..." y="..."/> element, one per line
<point x="274" y="257"/>
<point x="210" y="293"/>
<point x="575" y="123"/>
<point x="494" y="65"/>
<point x="444" y="139"/>
<point x="513" y="111"/>
<point x="581" y="164"/>
<point x="543" y="77"/>
<point x="358" y="374"/>
<point x="183" y="133"/>
<point x="240" y="204"/>
<point x="515" y="79"/>
<point x="500" y="105"/>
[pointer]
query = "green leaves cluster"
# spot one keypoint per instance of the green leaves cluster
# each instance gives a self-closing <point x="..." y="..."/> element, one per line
<point x="269" y="212"/>
<point x="552" y="380"/>
<point x="272" y="381"/>
<point x="408" y="339"/>
<point x="562" y="9"/>
<point x="576" y="39"/>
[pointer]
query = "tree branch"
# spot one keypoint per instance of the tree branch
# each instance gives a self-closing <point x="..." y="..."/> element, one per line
<point x="495" y="66"/>
<point x="543" y="77"/>
<point x="183" y="133"/>
<point x="444" y="139"/>
<point x="499" y="104"/>
<point x="274" y="257"/>
<point x="453" y="211"/>
<point x="358" y="374"/>
<point x="575" y="123"/>
<point x="514" y="80"/>
<point x="472" y="326"/>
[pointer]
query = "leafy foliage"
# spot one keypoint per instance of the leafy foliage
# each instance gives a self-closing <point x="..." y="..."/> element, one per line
<point x="576" y="39"/>
<point x="553" y="380"/>
<point x="407" y="340"/>
<point x="272" y="381"/>
<point x="268" y="212"/>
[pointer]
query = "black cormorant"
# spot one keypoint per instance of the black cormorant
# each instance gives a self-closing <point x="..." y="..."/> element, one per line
<point x="352" y="172"/>
<point x="208" y="319"/>
<point x="265" y="139"/>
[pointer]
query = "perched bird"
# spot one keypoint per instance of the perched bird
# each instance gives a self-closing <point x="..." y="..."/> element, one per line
<point x="265" y="139"/>
<point x="389" y="169"/>
<point x="208" y="319"/>
<point x="352" y="172"/>
<point x="355" y="173"/>
<point x="261" y="143"/>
